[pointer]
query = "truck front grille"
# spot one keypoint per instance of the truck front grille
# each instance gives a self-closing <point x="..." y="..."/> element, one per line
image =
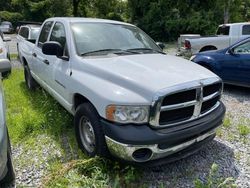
<point x="188" y="104"/>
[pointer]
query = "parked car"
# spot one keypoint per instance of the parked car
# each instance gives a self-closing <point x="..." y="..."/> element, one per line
<point x="232" y="64"/>
<point x="6" y="27"/>
<point x="26" y="36"/>
<point x="7" y="174"/>
<point x="226" y="35"/>
<point x="128" y="98"/>
<point x="4" y="48"/>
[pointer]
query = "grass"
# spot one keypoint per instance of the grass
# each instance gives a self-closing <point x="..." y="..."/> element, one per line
<point x="227" y="122"/>
<point x="33" y="114"/>
<point x="244" y="130"/>
<point x="214" y="181"/>
<point x="13" y="56"/>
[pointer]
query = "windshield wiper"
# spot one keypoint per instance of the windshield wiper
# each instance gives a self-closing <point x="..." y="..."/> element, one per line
<point x="102" y="50"/>
<point x="145" y="49"/>
<point x="115" y="51"/>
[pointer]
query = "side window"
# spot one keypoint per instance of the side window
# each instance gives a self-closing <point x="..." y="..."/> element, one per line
<point x="44" y="33"/>
<point x="58" y="34"/>
<point x="242" y="49"/>
<point x="21" y="31"/>
<point x="25" y="32"/>
<point x="246" y="30"/>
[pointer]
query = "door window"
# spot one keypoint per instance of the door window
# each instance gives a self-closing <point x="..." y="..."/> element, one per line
<point x="58" y="34"/>
<point x="24" y="32"/>
<point x="243" y="48"/>
<point x="44" y="33"/>
<point x="246" y="30"/>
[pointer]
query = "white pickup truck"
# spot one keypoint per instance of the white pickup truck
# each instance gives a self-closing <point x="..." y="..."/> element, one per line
<point x="226" y="35"/>
<point x="128" y="98"/>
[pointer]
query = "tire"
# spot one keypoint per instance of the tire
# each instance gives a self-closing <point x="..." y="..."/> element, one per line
<point x="88" y="130"/>
<point x="29" y="80"/>
<point x="10" y="176"/>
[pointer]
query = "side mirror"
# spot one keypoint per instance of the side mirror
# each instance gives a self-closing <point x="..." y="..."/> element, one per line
<point x="52" y="48"/>
<point x="5" y="67"/>
<point x="161" y="45"/>
<point x="6" y="39"/>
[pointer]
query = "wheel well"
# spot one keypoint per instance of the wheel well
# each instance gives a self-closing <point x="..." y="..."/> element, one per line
<point x="24" y="62"/>
<point x="79" y="99"/>
<point x="207" y="48"/>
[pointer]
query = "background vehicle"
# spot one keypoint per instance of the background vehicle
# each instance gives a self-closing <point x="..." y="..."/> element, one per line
<point x="26" y="38"/>
<point x="128" y="98"/>
<point x="6" y="27"/>
<point x="226" y="35"/>
<point x="232" y="64"/>
<point x="4" y="48"/>
<point x="7" y="174"/>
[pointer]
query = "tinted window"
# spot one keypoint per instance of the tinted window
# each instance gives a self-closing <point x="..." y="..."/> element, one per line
<point x="243" y="48"/>
<point x="246" y="30"/>
<point x="223" y="30"/>
<point x="58" y="34"/>
<point x="24" y="32"/>
<point x="44" y="33"/>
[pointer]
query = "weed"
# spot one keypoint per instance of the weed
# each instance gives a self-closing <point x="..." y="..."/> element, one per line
<point x="213" y="181"/>
<point x="227" y="122"/>
<point x="244" y="130"/>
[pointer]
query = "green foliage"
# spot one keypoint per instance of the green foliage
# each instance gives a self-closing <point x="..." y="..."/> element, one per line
<point x="165" y="20"/>
<point x="244" y="130"/>
<point x="12" y="17"/>
<point x="227" y="122"/>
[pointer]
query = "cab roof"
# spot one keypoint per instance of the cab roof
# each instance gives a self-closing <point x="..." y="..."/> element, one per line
<point x="87" y="20"/>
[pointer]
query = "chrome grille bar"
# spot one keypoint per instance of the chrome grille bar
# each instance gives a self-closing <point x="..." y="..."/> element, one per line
<point x="197" y="103"/>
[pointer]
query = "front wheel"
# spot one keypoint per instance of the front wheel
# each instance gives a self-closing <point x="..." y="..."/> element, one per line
<point x="88" y="130"/>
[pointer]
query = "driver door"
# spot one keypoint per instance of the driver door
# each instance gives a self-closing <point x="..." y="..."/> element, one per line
<point x="235" y="66"/>
<point x="243" y="53"/>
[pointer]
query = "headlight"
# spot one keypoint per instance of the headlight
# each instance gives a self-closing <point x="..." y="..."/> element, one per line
<point x="127" y="114"/>
<point x="192" y="58"/>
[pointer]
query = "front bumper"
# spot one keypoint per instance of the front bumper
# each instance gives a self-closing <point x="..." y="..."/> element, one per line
<point x="142" y="143"/>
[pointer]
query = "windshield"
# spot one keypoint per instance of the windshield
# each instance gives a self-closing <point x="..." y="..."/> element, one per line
<point x="103" y="37"/>
<point x="34" y="33"/>
<point x="223" y="30"/>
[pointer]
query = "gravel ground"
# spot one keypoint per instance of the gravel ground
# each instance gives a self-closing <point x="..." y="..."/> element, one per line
<point x="231" y="156"/>
<point x="229" y="151"/>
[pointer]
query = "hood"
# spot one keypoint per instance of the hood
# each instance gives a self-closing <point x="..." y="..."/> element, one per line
<point x="150" y="72"/>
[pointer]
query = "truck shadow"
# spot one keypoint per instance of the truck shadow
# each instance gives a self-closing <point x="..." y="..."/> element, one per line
<point x="239" y="93"/>
<point x="198" y="166"/>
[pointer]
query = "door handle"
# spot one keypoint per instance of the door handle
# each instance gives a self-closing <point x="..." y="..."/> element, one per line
<point x="34" y="55"/>
<point x="46" y="62"/>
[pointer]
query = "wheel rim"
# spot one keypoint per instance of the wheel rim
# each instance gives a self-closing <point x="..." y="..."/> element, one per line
<point x="87" y="134"/>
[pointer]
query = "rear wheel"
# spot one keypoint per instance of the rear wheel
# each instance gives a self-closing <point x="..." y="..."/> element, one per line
<point x="88" y="130"/>
<point x="29" y="80"/>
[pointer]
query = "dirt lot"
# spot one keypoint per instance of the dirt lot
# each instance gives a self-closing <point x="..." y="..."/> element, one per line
<point x="226" y="160"/>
